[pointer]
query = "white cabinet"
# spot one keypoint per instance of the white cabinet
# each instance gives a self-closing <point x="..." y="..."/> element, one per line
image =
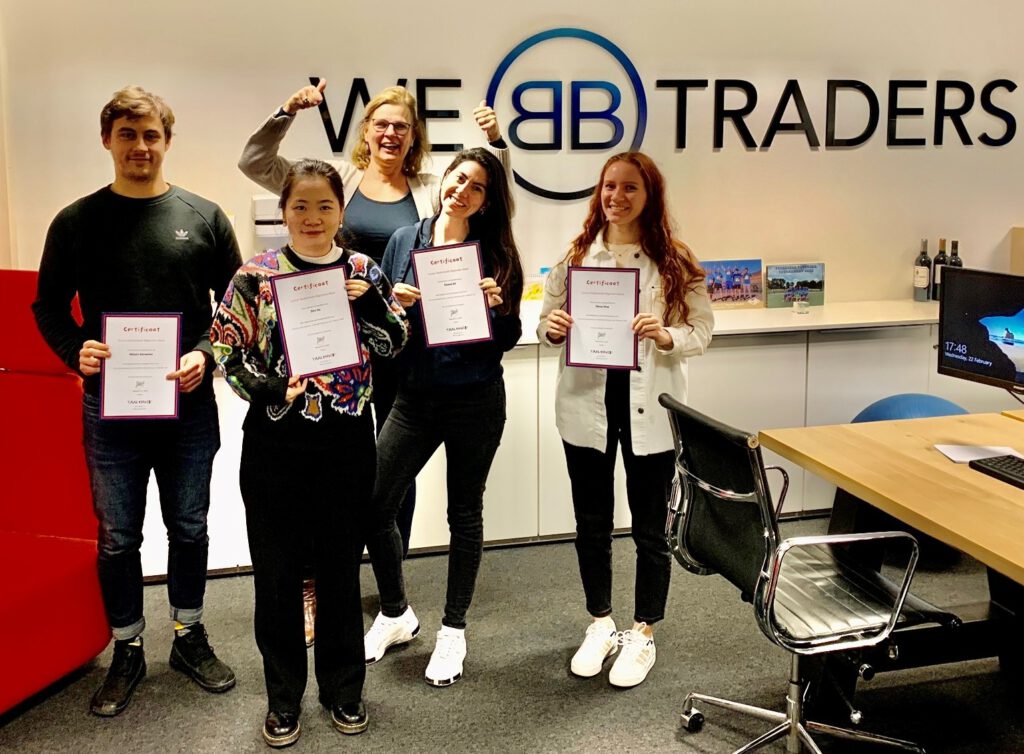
<point x="847" y="370"/>
<point x="510" y="500"/>
<point x="751" y="380"/>
<point x="755" y="382"/>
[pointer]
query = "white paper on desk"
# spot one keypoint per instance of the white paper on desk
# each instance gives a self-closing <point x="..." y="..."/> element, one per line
<point x="965" y="453"/>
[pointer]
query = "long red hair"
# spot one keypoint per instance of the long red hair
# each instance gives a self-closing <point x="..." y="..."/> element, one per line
<point x="678" y="267"/>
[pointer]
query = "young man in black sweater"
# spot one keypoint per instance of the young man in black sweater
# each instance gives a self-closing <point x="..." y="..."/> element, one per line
<point x="141" y="245"/>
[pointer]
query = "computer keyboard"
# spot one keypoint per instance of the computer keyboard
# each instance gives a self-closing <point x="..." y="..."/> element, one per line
<point x="1009" y="469"/>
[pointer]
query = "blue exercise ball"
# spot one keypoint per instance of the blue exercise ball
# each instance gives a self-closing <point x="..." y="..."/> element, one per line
<point x="908" y="406"/>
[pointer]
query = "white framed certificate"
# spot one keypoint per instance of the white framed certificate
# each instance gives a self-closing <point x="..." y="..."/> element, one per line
<point x="453" y="305"/>
<point x="603" y="302"/>
<point x="318" y="328"/>
<point x="144" y="349"/>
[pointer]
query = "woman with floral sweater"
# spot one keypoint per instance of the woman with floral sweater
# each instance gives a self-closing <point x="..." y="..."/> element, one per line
<point x="308" y="457"/>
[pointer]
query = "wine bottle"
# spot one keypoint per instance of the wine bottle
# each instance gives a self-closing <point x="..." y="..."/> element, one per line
<point x="940" y="261"/>
<point x="955" y="260"/>
<point x="922" y="273"/>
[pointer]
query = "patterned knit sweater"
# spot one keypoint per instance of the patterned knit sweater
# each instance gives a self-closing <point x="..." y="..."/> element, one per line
<point x="247" y="345"/>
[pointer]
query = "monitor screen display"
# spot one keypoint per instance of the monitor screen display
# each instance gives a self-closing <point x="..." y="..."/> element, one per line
<point x="981" y="327"/>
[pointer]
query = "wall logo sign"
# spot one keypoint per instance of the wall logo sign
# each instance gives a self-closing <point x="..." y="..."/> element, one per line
<point x="600" y="108"/>
<point x="593" y="117"/>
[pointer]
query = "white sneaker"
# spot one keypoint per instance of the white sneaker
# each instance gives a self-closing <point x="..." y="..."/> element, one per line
<point x="387" y="632"/>
<point x="600" y="643"/>
<point x="445" y="666"/>
<point x="635" y="661"/>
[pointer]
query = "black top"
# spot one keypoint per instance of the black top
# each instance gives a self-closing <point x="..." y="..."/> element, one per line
<point x="427" y="369"/>
<point x="369" y="224"/>
<point x="164" y="254"/>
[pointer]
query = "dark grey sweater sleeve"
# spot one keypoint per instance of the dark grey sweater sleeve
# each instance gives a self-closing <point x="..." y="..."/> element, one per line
<point x="56" y="289"/>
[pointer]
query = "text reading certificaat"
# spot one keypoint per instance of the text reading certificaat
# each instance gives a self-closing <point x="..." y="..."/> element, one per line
<point x="453" y="305"/>
<point x="318" y="330"/>
<point x="602" y="302"/>
<point x="143" y="351"/>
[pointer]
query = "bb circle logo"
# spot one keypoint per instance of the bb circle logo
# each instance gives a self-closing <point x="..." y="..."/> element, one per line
<point x="540" y="124"/>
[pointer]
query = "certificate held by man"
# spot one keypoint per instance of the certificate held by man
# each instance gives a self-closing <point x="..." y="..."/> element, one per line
<point x="603" y="302"/>
<point x="318" y="329"/>
<point x="143" y="352"/>
<point x="453" y="305"/>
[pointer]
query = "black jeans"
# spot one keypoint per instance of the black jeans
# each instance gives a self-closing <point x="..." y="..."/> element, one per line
<point x="385" y="389"/>
<point x="306" y="503"/>
<point x="648" y="482"/>
<point x="469" y="422"/>
<point x="119" y="456"/>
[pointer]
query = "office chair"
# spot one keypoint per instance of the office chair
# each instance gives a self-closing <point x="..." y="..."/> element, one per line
<point x="810" y="594"/>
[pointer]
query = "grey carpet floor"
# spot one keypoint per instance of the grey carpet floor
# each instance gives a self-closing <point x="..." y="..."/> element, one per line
<point x="517" y="695"/>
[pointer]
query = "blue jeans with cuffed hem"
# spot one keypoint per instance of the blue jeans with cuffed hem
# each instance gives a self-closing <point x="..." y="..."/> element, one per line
<point x="120" y="454"/>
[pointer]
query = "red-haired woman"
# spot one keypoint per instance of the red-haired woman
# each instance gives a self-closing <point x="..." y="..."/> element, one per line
<point x="598" y="409"/>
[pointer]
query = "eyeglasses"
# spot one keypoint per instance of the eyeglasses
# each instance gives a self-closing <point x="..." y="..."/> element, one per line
<point x="380" y="126"/>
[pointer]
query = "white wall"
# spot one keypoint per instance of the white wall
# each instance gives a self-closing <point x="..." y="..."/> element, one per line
<point x="224" y="66"/>
<point x="6" y="246"/>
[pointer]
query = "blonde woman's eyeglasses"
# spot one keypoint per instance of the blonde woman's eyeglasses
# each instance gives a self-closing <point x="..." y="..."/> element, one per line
<point x="380" y="126"/>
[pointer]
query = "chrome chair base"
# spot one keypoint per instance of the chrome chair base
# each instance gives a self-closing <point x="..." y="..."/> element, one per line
<point x="790" y="724"/>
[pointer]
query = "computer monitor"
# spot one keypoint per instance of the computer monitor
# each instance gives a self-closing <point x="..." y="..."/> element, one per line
<point x="981" y="327"/>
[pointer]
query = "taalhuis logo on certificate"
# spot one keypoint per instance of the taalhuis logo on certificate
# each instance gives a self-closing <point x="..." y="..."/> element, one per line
<point x="602" y="108"/>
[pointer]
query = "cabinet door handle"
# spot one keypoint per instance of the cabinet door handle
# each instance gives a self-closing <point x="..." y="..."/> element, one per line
<point x="867" y="328"/>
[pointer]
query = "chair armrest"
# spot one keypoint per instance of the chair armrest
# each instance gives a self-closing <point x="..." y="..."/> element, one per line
<point x="815" y="596"/>
<point x="785" y="488"/>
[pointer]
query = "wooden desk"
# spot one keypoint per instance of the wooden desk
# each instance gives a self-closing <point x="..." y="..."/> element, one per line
<point x="893" y="466"/>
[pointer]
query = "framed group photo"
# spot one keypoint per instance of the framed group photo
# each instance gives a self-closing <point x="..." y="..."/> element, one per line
<point x="795" y="282"/>
<point x="735" y="283"/>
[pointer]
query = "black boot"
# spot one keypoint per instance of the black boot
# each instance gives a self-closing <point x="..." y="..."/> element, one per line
<point x="193" y="655"/>
<point x="281" y="729"/>
<point x="350" y="718"/>
<point x="126" y="670"/>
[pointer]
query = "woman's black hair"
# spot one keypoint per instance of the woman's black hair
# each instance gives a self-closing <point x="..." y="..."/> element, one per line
<point x="309" y="168"/>
<point x="492" y="225"/>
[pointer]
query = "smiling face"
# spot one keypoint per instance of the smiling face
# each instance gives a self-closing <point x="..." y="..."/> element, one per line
<point x="137" y="146"/>
<point x="312" y="213"/>
<point x="388" y="148"/>
<point x="464" y="190"/>
<point x="623" y="194"/>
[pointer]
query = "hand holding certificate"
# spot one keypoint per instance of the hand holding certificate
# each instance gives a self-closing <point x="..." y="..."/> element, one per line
<point x="603" y="303"/>
<point x="455" y="309"/>
<point x="318" y="329"/>
<point x="143" y="352"/>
